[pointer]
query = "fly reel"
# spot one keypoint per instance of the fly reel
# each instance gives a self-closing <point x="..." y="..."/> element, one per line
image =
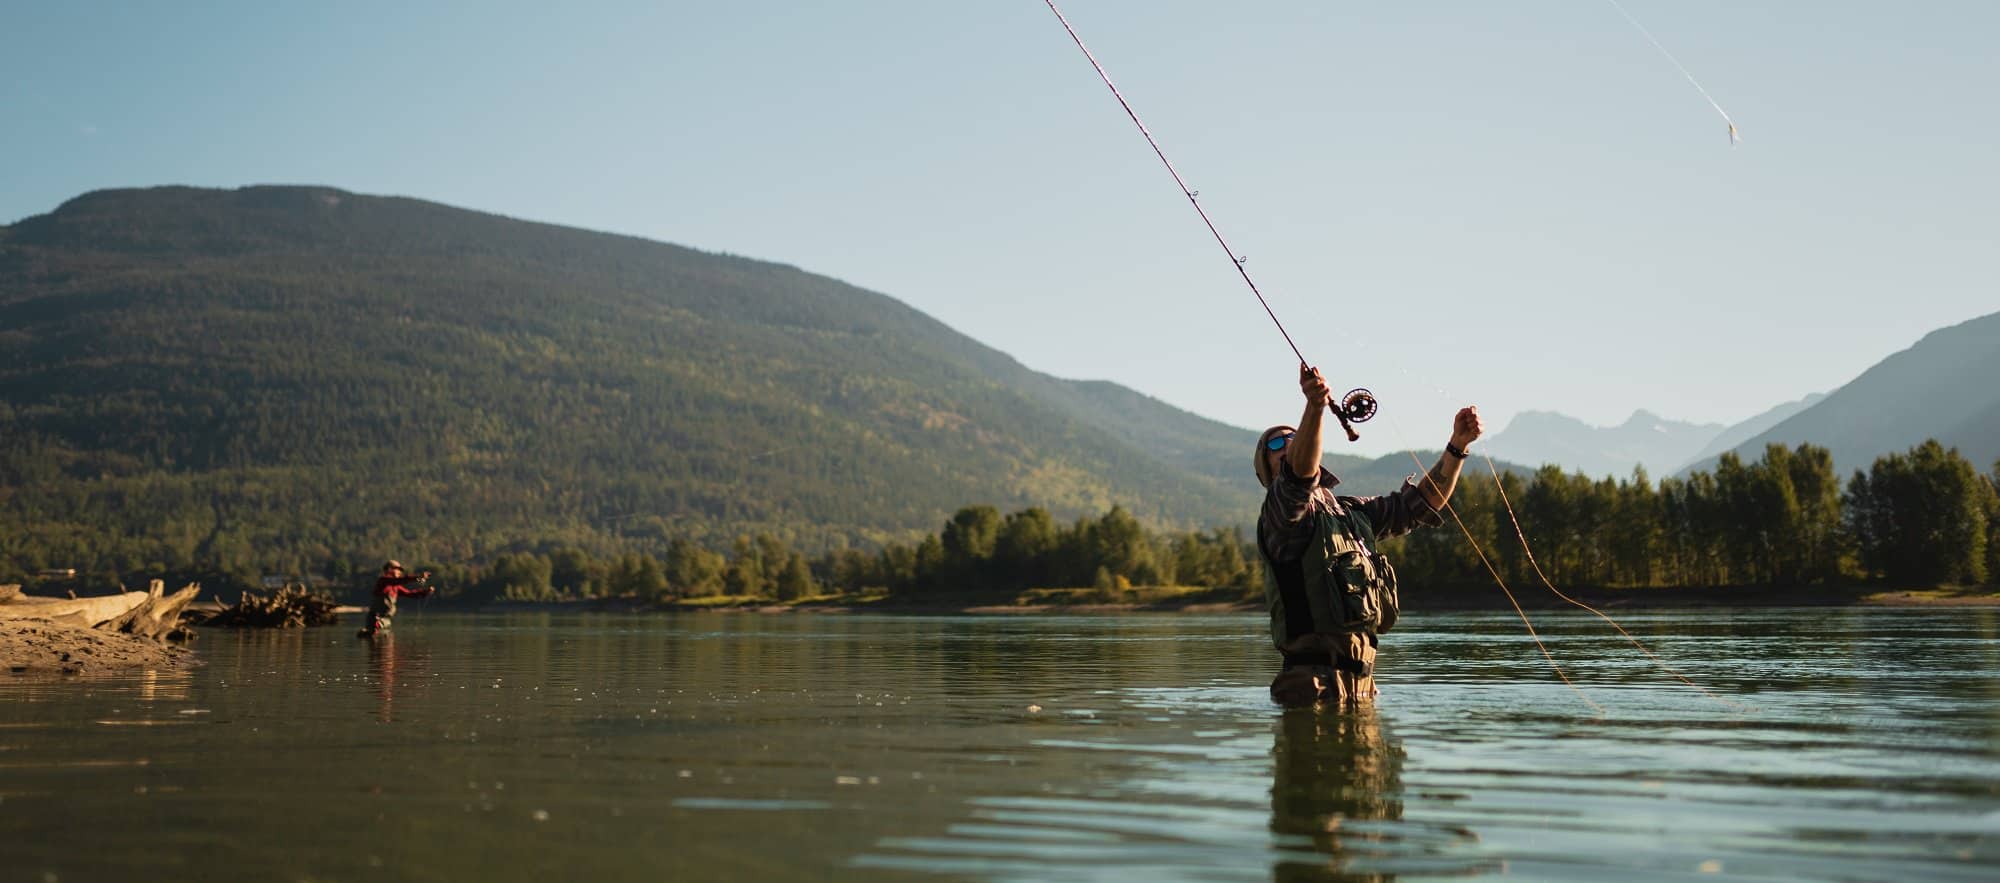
<point x="1358" y="406"/>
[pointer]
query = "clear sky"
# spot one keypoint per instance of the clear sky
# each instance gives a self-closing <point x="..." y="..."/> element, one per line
<point x="1520" y="205"/>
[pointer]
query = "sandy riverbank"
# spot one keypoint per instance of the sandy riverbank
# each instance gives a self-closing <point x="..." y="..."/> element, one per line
<point x="34" y="647"/>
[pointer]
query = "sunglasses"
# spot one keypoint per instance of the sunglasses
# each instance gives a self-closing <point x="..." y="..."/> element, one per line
<point x="1277" y="442"/>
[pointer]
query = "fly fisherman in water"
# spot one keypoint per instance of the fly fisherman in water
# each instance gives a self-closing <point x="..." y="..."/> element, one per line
<point x="1329" y="587"/>
<point x="388" y="587"/>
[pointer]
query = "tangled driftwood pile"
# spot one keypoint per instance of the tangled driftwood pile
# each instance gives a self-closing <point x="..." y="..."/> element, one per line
<point x="293" y="607"/>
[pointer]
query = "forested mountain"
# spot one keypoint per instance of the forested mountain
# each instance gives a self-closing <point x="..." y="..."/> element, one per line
<point x="1941" y="388"/>
<point x="1644" y="439"/>
<point x="299" y="376"/>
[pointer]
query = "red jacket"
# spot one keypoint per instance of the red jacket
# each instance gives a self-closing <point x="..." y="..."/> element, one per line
<point x="391" y="587"/>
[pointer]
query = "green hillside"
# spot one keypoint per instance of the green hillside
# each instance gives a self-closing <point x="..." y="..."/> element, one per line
<point x="293" y="377"/>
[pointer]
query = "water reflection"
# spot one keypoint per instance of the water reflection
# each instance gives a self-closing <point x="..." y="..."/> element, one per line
<point x="1337" y="805"/>
<point x="386" y="660"/>
<point x="1333" y="773"/>
<point x="170" y="685"/>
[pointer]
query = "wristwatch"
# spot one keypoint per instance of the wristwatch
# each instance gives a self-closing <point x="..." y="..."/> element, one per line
<point x="1454" y="450"/>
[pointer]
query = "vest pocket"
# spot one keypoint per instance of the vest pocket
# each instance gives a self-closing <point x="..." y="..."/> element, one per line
<point x="1389" y="601"/>
<point x="1358" y="604"/>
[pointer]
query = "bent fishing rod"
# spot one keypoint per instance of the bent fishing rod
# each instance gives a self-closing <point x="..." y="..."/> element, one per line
<point x="1358" y="405"/>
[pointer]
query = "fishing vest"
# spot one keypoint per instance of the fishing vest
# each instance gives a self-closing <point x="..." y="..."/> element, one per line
<point x="1340" y="586"/>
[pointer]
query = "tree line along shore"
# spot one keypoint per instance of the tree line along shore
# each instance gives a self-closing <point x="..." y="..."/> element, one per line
<point x="1783" y="529"/>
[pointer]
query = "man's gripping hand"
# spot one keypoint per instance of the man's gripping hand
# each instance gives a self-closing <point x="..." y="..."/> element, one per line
<point x="1314" y="386"/>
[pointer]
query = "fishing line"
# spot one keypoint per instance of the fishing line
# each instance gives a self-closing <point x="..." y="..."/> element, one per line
<point x="1523" y="614"/>
<point x="1734" y="139"/>
<point x="1495" y="472"/>
<point x="1530" y="553"/>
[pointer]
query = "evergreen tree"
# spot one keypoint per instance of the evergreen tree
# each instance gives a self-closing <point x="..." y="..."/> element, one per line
<point x="571" y="572"/>
<point x="521" y="577"/>
<point x="1634" y="531"/>
<point x="639" y="576"/>
<point x="796" y="581"/>
<point x="1023" y="551"/>
<point x="1920" y="517"/>
<point x="899" y="572"/>
<point x="745" y="576"/>
<point x="851" y="570"/>
<point x="1817" y="534"/>
<point x="1992" y="494"/>
<point x="969" y="537"/>
<point x="1550" y="518"/>
<point x="1213" y="559"/>
<point x="1120" y="543"/>
<point x="929" y="563"/>
<point x="691" y="570"/>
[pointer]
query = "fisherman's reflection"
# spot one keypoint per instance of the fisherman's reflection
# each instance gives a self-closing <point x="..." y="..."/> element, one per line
<point x="388" y="662"/>
<point x="1337" y="785"/>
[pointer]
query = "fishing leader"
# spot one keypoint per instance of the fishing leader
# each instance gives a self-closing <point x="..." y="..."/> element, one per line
<point x="1330" y="589"/>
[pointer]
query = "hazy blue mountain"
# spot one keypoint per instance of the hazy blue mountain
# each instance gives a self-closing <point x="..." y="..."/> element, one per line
<point x="1944" y="387"/>
<point x="1749" y="429"/>
<point x="1543" y="437"/>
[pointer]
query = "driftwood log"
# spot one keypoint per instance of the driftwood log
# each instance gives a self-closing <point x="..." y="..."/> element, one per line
<point x="150" y="614"/>
<point x="293" y="607"/>
<point x="86" y="612"/>
<point x="158" y="616"/>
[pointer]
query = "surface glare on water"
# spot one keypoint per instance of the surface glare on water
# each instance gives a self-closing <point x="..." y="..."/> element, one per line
<point x="536" y="746"/>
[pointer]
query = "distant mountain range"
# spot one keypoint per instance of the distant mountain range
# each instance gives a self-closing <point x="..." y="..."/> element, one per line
<point x="1943" y="387"/>
<point x="1946" y="386"/>
<point x="1644" y="439"/>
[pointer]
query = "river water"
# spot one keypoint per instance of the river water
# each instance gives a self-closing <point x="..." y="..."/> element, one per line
<point x="1832" y="744"/>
